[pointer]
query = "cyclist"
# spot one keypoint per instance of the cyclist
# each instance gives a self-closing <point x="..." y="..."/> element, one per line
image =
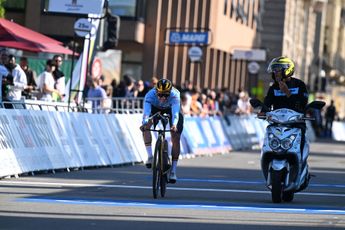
<point x="163" y="98"/>
<point x="286" y="91"/>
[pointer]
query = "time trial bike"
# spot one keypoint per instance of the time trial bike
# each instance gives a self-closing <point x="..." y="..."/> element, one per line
<point x="161" y="162"/>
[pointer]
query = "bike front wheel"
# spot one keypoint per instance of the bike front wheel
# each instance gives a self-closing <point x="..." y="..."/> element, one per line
<point x="164" y="166"/>
<point x="156" y="171"/>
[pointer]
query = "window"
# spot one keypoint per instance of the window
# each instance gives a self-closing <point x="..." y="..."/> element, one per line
<point x="123" y="8"/>
<point x="15" y="4"/>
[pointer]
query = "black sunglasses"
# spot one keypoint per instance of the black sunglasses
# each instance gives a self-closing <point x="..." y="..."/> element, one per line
<point x="163" y="95"/>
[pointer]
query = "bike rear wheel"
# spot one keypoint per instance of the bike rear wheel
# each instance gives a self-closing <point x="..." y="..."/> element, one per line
<point x="156" y="171"/>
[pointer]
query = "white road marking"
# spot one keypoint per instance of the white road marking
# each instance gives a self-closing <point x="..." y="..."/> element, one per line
<point x="54" y="184"/>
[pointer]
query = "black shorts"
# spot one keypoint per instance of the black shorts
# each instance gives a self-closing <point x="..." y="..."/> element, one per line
<point x="168" y="111"/>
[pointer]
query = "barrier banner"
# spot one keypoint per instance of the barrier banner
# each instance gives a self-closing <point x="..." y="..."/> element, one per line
<point x="192" y="132"/>
<point x="88" y="152"/>
<point x="219" y="133"/>
<point x="338" y="131"/>
<point x="60" y="128"/>
<point x="131" y="127"/>
<point x="42" y="127"/>
<point x="102" y="137"/>
<point x="235" y="132"/>
<point x="121" y="136"/>
<point x="8" y="143"/>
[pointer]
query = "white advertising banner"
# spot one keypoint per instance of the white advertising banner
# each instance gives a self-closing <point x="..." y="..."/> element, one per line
<point x="76" y="6"/>
<point x="122" y="139"/>
<point x="60" y="128"/>
<point x="8" y="143"/>
<point x="130" y="128"/>
<point x="137" y="136"/>
<point x="93" y="134"/>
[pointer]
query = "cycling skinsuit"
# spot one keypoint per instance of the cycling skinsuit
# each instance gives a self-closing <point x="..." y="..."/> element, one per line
<point x="171" y="106"/>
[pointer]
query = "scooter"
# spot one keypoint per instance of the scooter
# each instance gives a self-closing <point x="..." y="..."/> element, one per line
<point x="283" y="158"/>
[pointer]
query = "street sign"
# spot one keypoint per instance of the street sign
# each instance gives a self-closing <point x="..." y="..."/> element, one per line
<point x="250" y="55"/>
<point x="188" y="38"/>
<point x="253" y="67"/>
<point x="82" y="27"/>
<point x="195" y="53"/>
<point x="76" y="6"/>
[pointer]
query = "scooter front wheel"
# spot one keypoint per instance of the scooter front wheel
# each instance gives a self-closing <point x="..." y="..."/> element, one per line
<point x="288" y="196"/>
<point x="277" y="186"/>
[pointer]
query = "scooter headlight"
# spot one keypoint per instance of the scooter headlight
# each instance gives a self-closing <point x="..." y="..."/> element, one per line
<point x="274" y="142"/>
<point x="287" y="142"/>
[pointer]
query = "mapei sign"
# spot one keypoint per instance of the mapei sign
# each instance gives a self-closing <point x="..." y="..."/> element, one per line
<point x="188" y="38"/>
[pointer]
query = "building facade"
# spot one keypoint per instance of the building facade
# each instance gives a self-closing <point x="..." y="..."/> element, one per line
<point x="146" y="51"/>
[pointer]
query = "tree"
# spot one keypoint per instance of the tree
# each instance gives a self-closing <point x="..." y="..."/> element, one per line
<point x="2" y="9"/>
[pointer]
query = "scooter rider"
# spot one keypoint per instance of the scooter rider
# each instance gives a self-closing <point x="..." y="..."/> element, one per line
<point x="286" y="91"/>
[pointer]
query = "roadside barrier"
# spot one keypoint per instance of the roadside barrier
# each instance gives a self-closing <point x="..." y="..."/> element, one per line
<point x="36" y="140"/>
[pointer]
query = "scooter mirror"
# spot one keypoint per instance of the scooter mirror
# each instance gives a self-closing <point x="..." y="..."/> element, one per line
<point x="316" y="105"/>
<point x="255" y="103"/>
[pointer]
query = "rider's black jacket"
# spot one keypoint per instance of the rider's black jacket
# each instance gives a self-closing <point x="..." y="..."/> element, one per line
<point x="297" y="100"/>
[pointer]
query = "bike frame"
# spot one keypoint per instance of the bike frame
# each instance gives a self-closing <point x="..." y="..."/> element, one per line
<point x="158" y="158"/>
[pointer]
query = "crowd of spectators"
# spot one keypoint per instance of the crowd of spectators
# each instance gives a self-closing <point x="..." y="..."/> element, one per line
<point x="194" y="101"/>
<point x="18" y="81"/>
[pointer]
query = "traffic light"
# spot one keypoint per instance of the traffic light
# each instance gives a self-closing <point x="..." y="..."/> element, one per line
<point x="113" y="30"/>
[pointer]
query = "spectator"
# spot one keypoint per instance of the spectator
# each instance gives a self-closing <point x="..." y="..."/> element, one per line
<point x="186" y="101"/>
<point x="30" y="77"/>
<point x="3" y="74"/>
<point x="141" y="88"/>
<point x="154" y="81"/>
<point x="59" y="76"/>
<point x="329" y="117"/>
<point x="243" y="105"/>
<point x="17" y="81"/>
<point x="46" y="83"/>
<point x="195" y="106"/>
<point x="97" y="95"/>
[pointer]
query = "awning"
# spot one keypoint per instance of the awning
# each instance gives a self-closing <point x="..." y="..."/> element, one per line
<point x="13" y="35"/>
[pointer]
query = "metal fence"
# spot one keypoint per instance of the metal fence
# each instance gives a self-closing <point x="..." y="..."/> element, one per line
<point x="110" y="105"/>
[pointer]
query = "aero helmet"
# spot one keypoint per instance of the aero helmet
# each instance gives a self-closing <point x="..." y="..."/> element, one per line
<point x="163" y="86"/>
<point x="281" y="64"/>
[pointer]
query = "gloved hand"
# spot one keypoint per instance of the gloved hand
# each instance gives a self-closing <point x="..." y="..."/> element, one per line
<point x="173" y="128"/>
<point x="144" y="125"/>
<point x="145" y="121"/>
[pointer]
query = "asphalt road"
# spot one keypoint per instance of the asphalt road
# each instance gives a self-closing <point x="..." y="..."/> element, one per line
<point x="219" y="192"/>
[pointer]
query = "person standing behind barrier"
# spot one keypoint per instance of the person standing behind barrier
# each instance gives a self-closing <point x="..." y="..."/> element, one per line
<point x="329" y="117"/>
<point x="97" y="95"/>
<point x="163" y="98"/>
<point x="46" y="83"/>
<point x="3" y="74"/>
<point x="17" y="82"/>
<point x="59" y="77"/>
<point x="30" y="77"/>
<point x="243" y="105"/>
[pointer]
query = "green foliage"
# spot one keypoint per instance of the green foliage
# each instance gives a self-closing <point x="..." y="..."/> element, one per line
<point x="2" y="9"/>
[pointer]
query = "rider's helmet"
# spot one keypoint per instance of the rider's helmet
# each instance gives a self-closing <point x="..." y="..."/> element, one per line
<point x="283" y="65"/>
<point x="163" y="86"/>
